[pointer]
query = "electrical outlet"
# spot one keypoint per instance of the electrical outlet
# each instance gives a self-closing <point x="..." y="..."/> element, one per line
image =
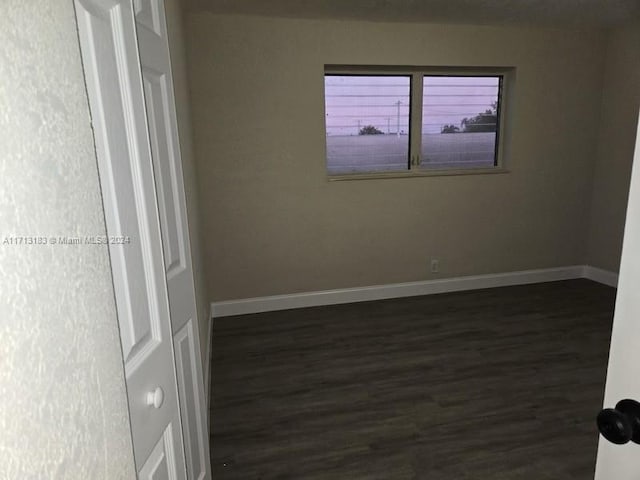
<point x="435" y="265"/>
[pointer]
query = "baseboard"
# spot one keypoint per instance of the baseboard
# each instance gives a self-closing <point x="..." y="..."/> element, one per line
<point x="601" y="276"/>
<point x="409" y="289"/>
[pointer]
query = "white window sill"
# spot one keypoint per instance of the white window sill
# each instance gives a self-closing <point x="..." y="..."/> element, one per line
<point x="421" y="173"/>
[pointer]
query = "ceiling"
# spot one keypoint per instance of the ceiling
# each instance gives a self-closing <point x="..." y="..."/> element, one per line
<point x="577" y="13"/>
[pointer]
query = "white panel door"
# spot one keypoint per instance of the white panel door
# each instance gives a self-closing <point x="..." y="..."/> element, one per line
<point x="167" y="162"/>
<point x="114" y="84"/>
<point x="622" y="462"/>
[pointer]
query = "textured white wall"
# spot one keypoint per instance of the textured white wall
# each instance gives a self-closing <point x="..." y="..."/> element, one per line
<point x="63" y="410"/>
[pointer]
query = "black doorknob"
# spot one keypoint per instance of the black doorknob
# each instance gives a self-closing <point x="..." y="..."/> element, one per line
<point x="621" y="424"/>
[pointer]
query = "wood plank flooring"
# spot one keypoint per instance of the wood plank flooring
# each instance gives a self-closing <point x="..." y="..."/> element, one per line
<point x="492" y="384"/>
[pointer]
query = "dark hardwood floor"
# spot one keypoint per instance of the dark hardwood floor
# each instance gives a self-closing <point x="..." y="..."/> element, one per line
<point x="493" y="384"/>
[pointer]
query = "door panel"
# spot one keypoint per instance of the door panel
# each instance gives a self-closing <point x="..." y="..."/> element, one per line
<point x="114" y="84"/>
<point x="161" y="464"/>
<point x="156" y="65"/>
<point x="148" y="14"/>
<point x="187" y="359"/>
<point x="167" y="164"/>
<point x="156" y="93"/>
<point x="622" y="462"/>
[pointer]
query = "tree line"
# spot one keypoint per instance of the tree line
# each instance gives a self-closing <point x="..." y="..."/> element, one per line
<point x="483" y="122"/>
<point x="486" y="121"/>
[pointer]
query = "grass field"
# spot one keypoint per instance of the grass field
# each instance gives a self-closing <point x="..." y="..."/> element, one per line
<point x="384" y="153"/>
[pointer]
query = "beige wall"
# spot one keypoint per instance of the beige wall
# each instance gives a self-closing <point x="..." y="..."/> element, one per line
<point x="175" y="28"/>
<point x="274" y="223"/>
<point x="618" y="119"/>
<point x="63" y="405"/>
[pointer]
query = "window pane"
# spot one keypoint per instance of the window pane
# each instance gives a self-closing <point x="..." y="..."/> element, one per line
<point x="459" y="122"/>
<point x="367" y="123"/>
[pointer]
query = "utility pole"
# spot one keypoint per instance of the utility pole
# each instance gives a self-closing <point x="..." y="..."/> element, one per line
<point x="359" y="127"/>
<point x="388" y="125"/>
<point x="398" y="130"/>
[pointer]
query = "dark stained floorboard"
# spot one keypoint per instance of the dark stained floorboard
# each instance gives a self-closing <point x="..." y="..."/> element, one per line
<point x="492" y="384"/>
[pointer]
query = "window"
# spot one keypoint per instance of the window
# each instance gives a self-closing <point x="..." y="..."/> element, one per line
<point x="412" y="121"/>
<point x="367" y="122"/>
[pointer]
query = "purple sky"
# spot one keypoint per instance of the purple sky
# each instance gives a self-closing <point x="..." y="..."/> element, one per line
<point x="362" y="100"/>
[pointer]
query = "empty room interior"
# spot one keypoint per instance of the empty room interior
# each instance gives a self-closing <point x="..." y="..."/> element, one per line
<point x="492" y="383"/>
<point x="405" y="223"/>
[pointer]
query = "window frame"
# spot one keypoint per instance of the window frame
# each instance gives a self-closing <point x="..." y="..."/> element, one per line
<point x="506" y="80"/>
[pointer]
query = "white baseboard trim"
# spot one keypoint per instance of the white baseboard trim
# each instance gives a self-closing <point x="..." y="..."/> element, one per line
<point x="601" y="276"/>
<point x="409" y="289"/>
